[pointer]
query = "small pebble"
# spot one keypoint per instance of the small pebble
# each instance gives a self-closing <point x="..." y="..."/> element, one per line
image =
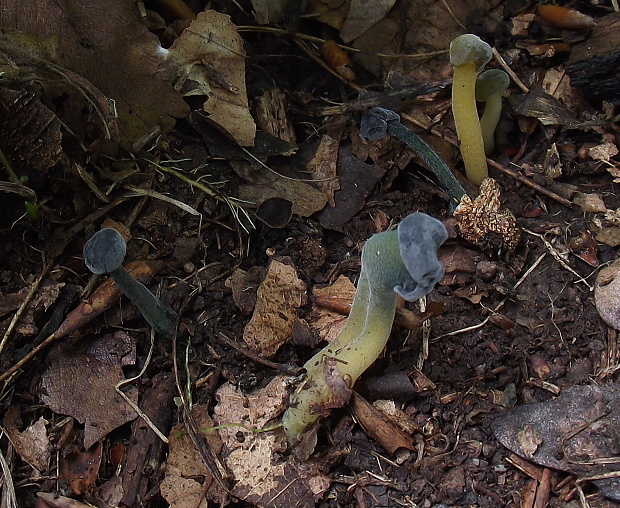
<point x="486" y="270"/>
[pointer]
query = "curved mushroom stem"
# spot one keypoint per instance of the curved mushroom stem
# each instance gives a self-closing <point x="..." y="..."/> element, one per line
<point x="355" y="349"/>
<point x="404" y="262"/>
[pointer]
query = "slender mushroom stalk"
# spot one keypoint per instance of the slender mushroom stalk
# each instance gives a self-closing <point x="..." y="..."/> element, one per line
<point x="104" y="253"/>
<point x="379" y="122"/>
<point x="489" y="87"/>
<point x="468" y="55"/>
<point x="402" y="262"/>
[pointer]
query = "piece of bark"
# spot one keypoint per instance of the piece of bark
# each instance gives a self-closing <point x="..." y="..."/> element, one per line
<point x="376" y="425"/>
<point x="145" y="452"/>
<point x="272" y="115"/>
<point x="594" y="64"/>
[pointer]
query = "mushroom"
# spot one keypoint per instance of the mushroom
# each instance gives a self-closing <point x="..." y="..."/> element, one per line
<point x="104" y="253"/>
<point x="489" y="87"/>
<point x="469" y="54"/>
<point x="402" y="262"/>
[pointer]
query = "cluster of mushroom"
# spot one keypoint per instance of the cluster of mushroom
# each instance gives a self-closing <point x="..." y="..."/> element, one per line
<point x="469" y="54"/>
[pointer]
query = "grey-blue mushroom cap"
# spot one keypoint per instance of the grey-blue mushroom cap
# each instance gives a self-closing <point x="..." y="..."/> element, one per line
<point x="419" y="237"/>
<point x="105" y="251"/>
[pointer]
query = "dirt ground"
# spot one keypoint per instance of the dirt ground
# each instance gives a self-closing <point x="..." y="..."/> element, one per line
<point x="515" y="327"/>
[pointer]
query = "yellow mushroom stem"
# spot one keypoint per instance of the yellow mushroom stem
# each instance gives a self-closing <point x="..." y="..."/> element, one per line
<point x="467" y="123"/>
<point x="489" y="120"/>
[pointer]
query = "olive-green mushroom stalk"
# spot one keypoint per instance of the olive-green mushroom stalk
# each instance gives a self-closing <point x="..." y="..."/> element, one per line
<point x="469" y="54"/>
<point x="489" y="87"/>
<point x="402" y="262"/>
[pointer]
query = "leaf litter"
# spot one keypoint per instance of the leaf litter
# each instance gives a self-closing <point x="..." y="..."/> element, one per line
<point x="476" y="363"/>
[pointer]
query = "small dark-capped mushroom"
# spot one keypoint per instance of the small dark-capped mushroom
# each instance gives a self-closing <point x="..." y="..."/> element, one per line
<point x="104" y="253"/>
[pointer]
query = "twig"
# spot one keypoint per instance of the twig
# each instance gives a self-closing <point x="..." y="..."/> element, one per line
<point x="497" y="307"/>
<point x="553" y="251"/>
<point x="291" y="370"/>
<point x="502" y="63"/>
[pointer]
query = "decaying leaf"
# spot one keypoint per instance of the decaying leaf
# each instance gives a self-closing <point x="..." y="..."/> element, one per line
<point x="244" y="285"/>
<point x="33" y="443"/>
<point x="589" y="202"/>
<point x="607" y="294"/>
<point x="279" y="296"/>
<point x="484" y="223"/>
<point x="92" y="373"/>
<point x="80" y="468"/>
<point x="574" y="432"/>
<point x="357" y="179"/>
<point x="268" y="12"/>
<point x="187" y="480"/>
<point x="338" y="296"/>
<point x="330" y="12"/>
<point x="209" y="59"/>
<point x="106" y="44"/>
<point x="362" y="16"/>
<point x="306" y="198"/>
<point x="262" y="477"/>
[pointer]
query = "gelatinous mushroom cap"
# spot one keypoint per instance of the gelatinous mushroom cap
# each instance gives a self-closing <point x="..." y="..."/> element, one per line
<point x="419" y="237"/>
<point x="105" y="251"/>
<point x="469" y="48"/>
<point x="490" y="82"/>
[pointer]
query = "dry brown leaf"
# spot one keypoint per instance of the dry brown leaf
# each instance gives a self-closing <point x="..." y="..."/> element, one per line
<point x="305" y="198"/>
<point x="187" y="480"/>
<point x="260" y="476"/>
<point x="107" y="44"/>
<point x="268" y="12"/>
<point x="32" y="444"/>
<point x="209" y="59"/>
<point x="589" y="202"/>
<point x="603" y="152"/>
<point x="330" y="12"/>
<point x="79" y="468"/>
<point x="279" y="296"/>
<point x="363" y="14"/>
<point x="328" y="323"/>
<point x="82" y="384"/>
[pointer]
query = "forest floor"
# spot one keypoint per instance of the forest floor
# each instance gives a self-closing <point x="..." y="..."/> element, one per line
<point x="453" y="418"/>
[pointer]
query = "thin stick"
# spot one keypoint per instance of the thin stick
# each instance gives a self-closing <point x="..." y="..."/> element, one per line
<point x="497" y="308"/>
<point x="291" y="370"/>
<point x="502" y="63"/>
